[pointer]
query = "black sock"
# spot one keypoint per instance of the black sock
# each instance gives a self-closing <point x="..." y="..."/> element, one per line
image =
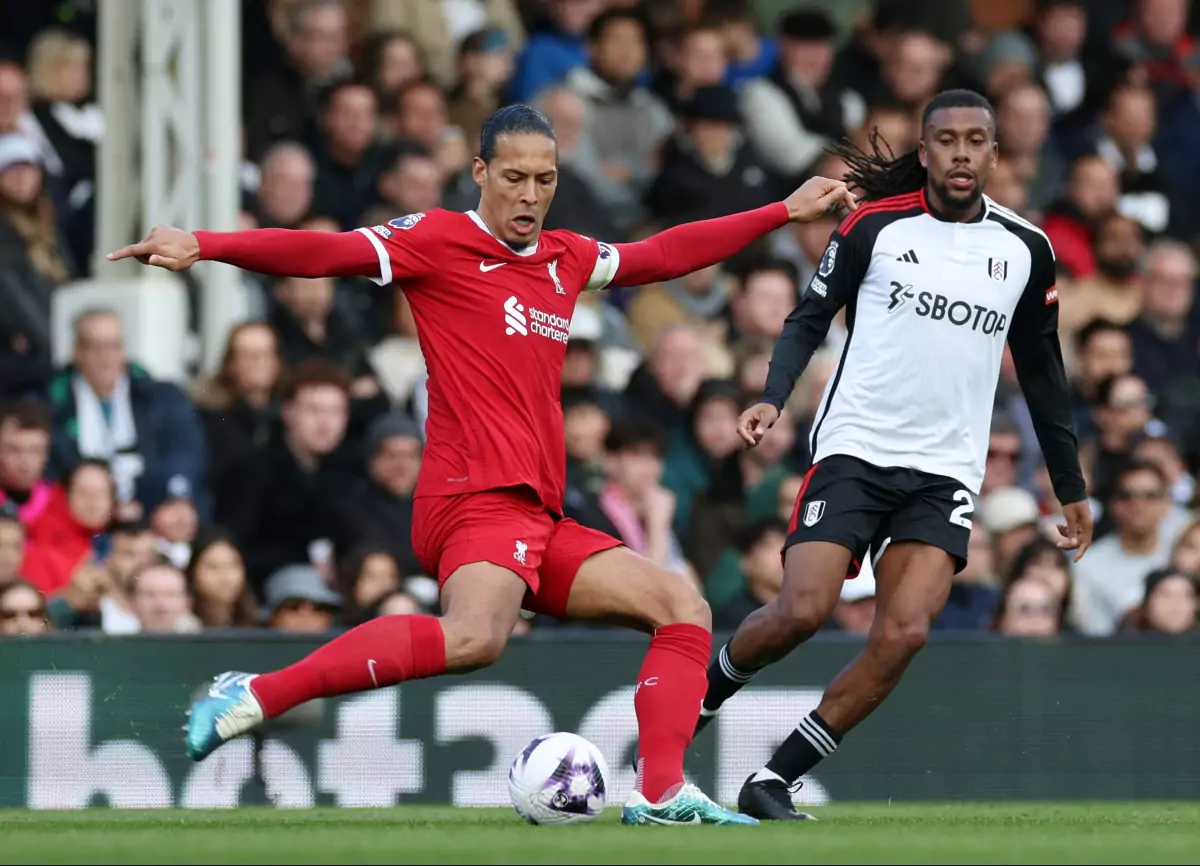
<point x="804" y="748"/>
<point x="724" y="681"/>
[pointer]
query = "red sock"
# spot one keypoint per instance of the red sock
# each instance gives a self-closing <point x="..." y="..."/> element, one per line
<point x="380" y="652"/>
<point x="671" y="685"/>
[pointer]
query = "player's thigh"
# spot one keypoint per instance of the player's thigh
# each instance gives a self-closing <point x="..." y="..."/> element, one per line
<point x="480" y="605"/>
<point x="912" y="583"/>
<point x="837" y="512"/>
<point x="937" y="512"/>
<point x="587" y="575"/>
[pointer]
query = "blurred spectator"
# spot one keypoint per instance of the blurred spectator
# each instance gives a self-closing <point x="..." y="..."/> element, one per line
<point x="663" y="386"/>
<point x="283" y="103"/>
<point x="1165" y="336"/>
<point x="1059" y="33"/>
<point x="107" y="408"/>
<point x="440" y="28"/>
<point x="625" y="122"/>
<point x="1186" y="554"/>
<point x="160" y="600"/>
<point x="280" y="503"/>
<point x="1007" y="189"/>
<point x="696" y="59"/>
<point x="348" y="160"/>
<point x="1102" y="349"/>
<point x="1010" y="514"/>
<point x="398" y="603"/>
<point x="709" y="170"/>
<point x="1169" y="605"/>
<point x="576" y="206"/>
<point x="12" y="544"/>
<point x="239" y="406"/>
<point x="1028" y="609"/>
<point x="14" y="97"/>
<point x="557" y="44"/>
<point x="1022" y="126"/>
<point x="585" y="426"/>
<point x="855" y="611"/>
<point x="1090" y="195"/>
<point x="1155" y="38"/>
<point x="766" y="295"/>
<point x="1111" y="578"/>
<point x="297" y="600"/>
<point x="485" y="64"/>
<point x="174" y="519"/>
<point x="1125" y="141"/>
<point x="1004" y="455"/>
<point x="24" y="452"/>
<point x="974" y="596"/>
<point x="368" y="574"/>
<point x="633" y="505"/>
<point x="749" y="54"/>
<point x="702" y="461"/>
<point x="378" y="509"/>
<point x="913" y="69"/>
<point x="391" y="60"/>
<point x="285" y="191"/>
<point x="699" y="299"/>
<point x="216" y="581"/>
<point x="798" y="109"/>
<point x="1122" y="413"/>
<point x="34" y="261"/>
<point x="1113" y="291"/>
<point x="761" y="571"/>
<point x="1006" y="62"/>
<point x="1161" y="449"/>
<point x="63" y="536"/>
<point x="21" y="610"/>
<point x="410" y="182"/>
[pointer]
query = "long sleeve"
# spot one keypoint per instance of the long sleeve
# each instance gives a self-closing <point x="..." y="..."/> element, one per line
<point x="834" y="285"/>
<point x="693" y="246"/>
<point x="1037" y="356"/>
<point x="291" y="253"/>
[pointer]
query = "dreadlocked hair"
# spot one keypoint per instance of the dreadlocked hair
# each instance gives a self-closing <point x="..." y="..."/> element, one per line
<point x="881" y="175"/>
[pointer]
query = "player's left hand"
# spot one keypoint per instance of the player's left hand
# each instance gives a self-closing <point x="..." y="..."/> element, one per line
<point x="1077" y="533"/>
<point x="816" y="197"/>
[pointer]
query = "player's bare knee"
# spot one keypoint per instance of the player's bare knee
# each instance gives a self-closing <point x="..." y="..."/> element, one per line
<point x="682" y="603"/>
<point x="470" y="646"/>
<point x="802" y="614"/>
<point x="900" y="638"/>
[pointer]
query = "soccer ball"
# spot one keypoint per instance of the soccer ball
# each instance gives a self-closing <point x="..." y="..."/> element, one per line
<point x="559" y="778"/>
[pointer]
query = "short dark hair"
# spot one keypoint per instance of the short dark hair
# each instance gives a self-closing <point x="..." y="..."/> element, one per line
<point x="631" y="433"/>
<point x="27" y="414"/>
<point x="1098" y="325"/>
<point x="327" y="95"/>
<point x="130" y="527"/>
<point x="516" y="119"/>
<point x="1131" y="465"/>
<point x="751" y="535"/>
<point x="312" y="373"/>
<point x="600" y="22"/>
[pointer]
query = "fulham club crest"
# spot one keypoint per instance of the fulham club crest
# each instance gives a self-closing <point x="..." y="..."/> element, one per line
<point x="813" y="512"/>
<point x="998" y="269"/>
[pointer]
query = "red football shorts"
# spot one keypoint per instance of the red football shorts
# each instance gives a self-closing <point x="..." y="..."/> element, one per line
<point x="509" y="528"/>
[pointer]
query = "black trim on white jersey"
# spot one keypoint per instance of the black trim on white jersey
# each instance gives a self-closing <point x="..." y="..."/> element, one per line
<point x="835" y="285"/>
<point x="1037" y="356"/>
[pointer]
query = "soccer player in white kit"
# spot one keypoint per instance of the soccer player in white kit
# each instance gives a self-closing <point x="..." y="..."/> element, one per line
<point x="935" y="277"/>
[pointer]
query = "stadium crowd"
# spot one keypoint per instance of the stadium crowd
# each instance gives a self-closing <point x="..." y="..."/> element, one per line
<point x="277" y="490"/>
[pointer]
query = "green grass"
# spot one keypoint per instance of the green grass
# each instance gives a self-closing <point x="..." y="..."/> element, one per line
<point x="925" y="834"/>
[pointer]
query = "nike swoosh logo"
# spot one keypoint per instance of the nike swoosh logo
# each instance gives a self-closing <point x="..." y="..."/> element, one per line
<point x="486" y="268"/>
<point x="371" y="671"/>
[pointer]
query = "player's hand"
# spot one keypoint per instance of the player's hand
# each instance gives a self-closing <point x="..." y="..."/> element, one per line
<point x="816" y="197"/>
<point x="755" y="422"/>
<point x="165" y="247"/>
<point x="1077" y="533"/>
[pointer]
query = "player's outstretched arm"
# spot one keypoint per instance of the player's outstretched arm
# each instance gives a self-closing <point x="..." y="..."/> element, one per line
<point x="1037" y="356"/>
<point x="694" y="246"/>
<point x="274" y="252"/>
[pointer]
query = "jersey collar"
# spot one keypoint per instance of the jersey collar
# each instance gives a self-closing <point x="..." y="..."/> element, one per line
<point x="523" y="251"/>
<point x="927" y="205"/>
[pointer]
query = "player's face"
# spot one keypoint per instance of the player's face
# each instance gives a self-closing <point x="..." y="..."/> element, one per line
<point x="959" y="150"/>
<point x="518" y="186"/>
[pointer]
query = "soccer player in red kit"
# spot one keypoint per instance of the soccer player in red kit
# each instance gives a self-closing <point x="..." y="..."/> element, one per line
<point x="493" y="295"/>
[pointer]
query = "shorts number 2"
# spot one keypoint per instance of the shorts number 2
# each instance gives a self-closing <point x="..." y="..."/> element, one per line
<point x="960" y="516"/>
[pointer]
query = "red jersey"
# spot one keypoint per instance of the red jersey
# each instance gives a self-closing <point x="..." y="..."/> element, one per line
<point x="493" y="324"/>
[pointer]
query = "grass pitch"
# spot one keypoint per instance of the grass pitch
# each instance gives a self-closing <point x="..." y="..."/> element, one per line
<point x="925" y="834"/>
